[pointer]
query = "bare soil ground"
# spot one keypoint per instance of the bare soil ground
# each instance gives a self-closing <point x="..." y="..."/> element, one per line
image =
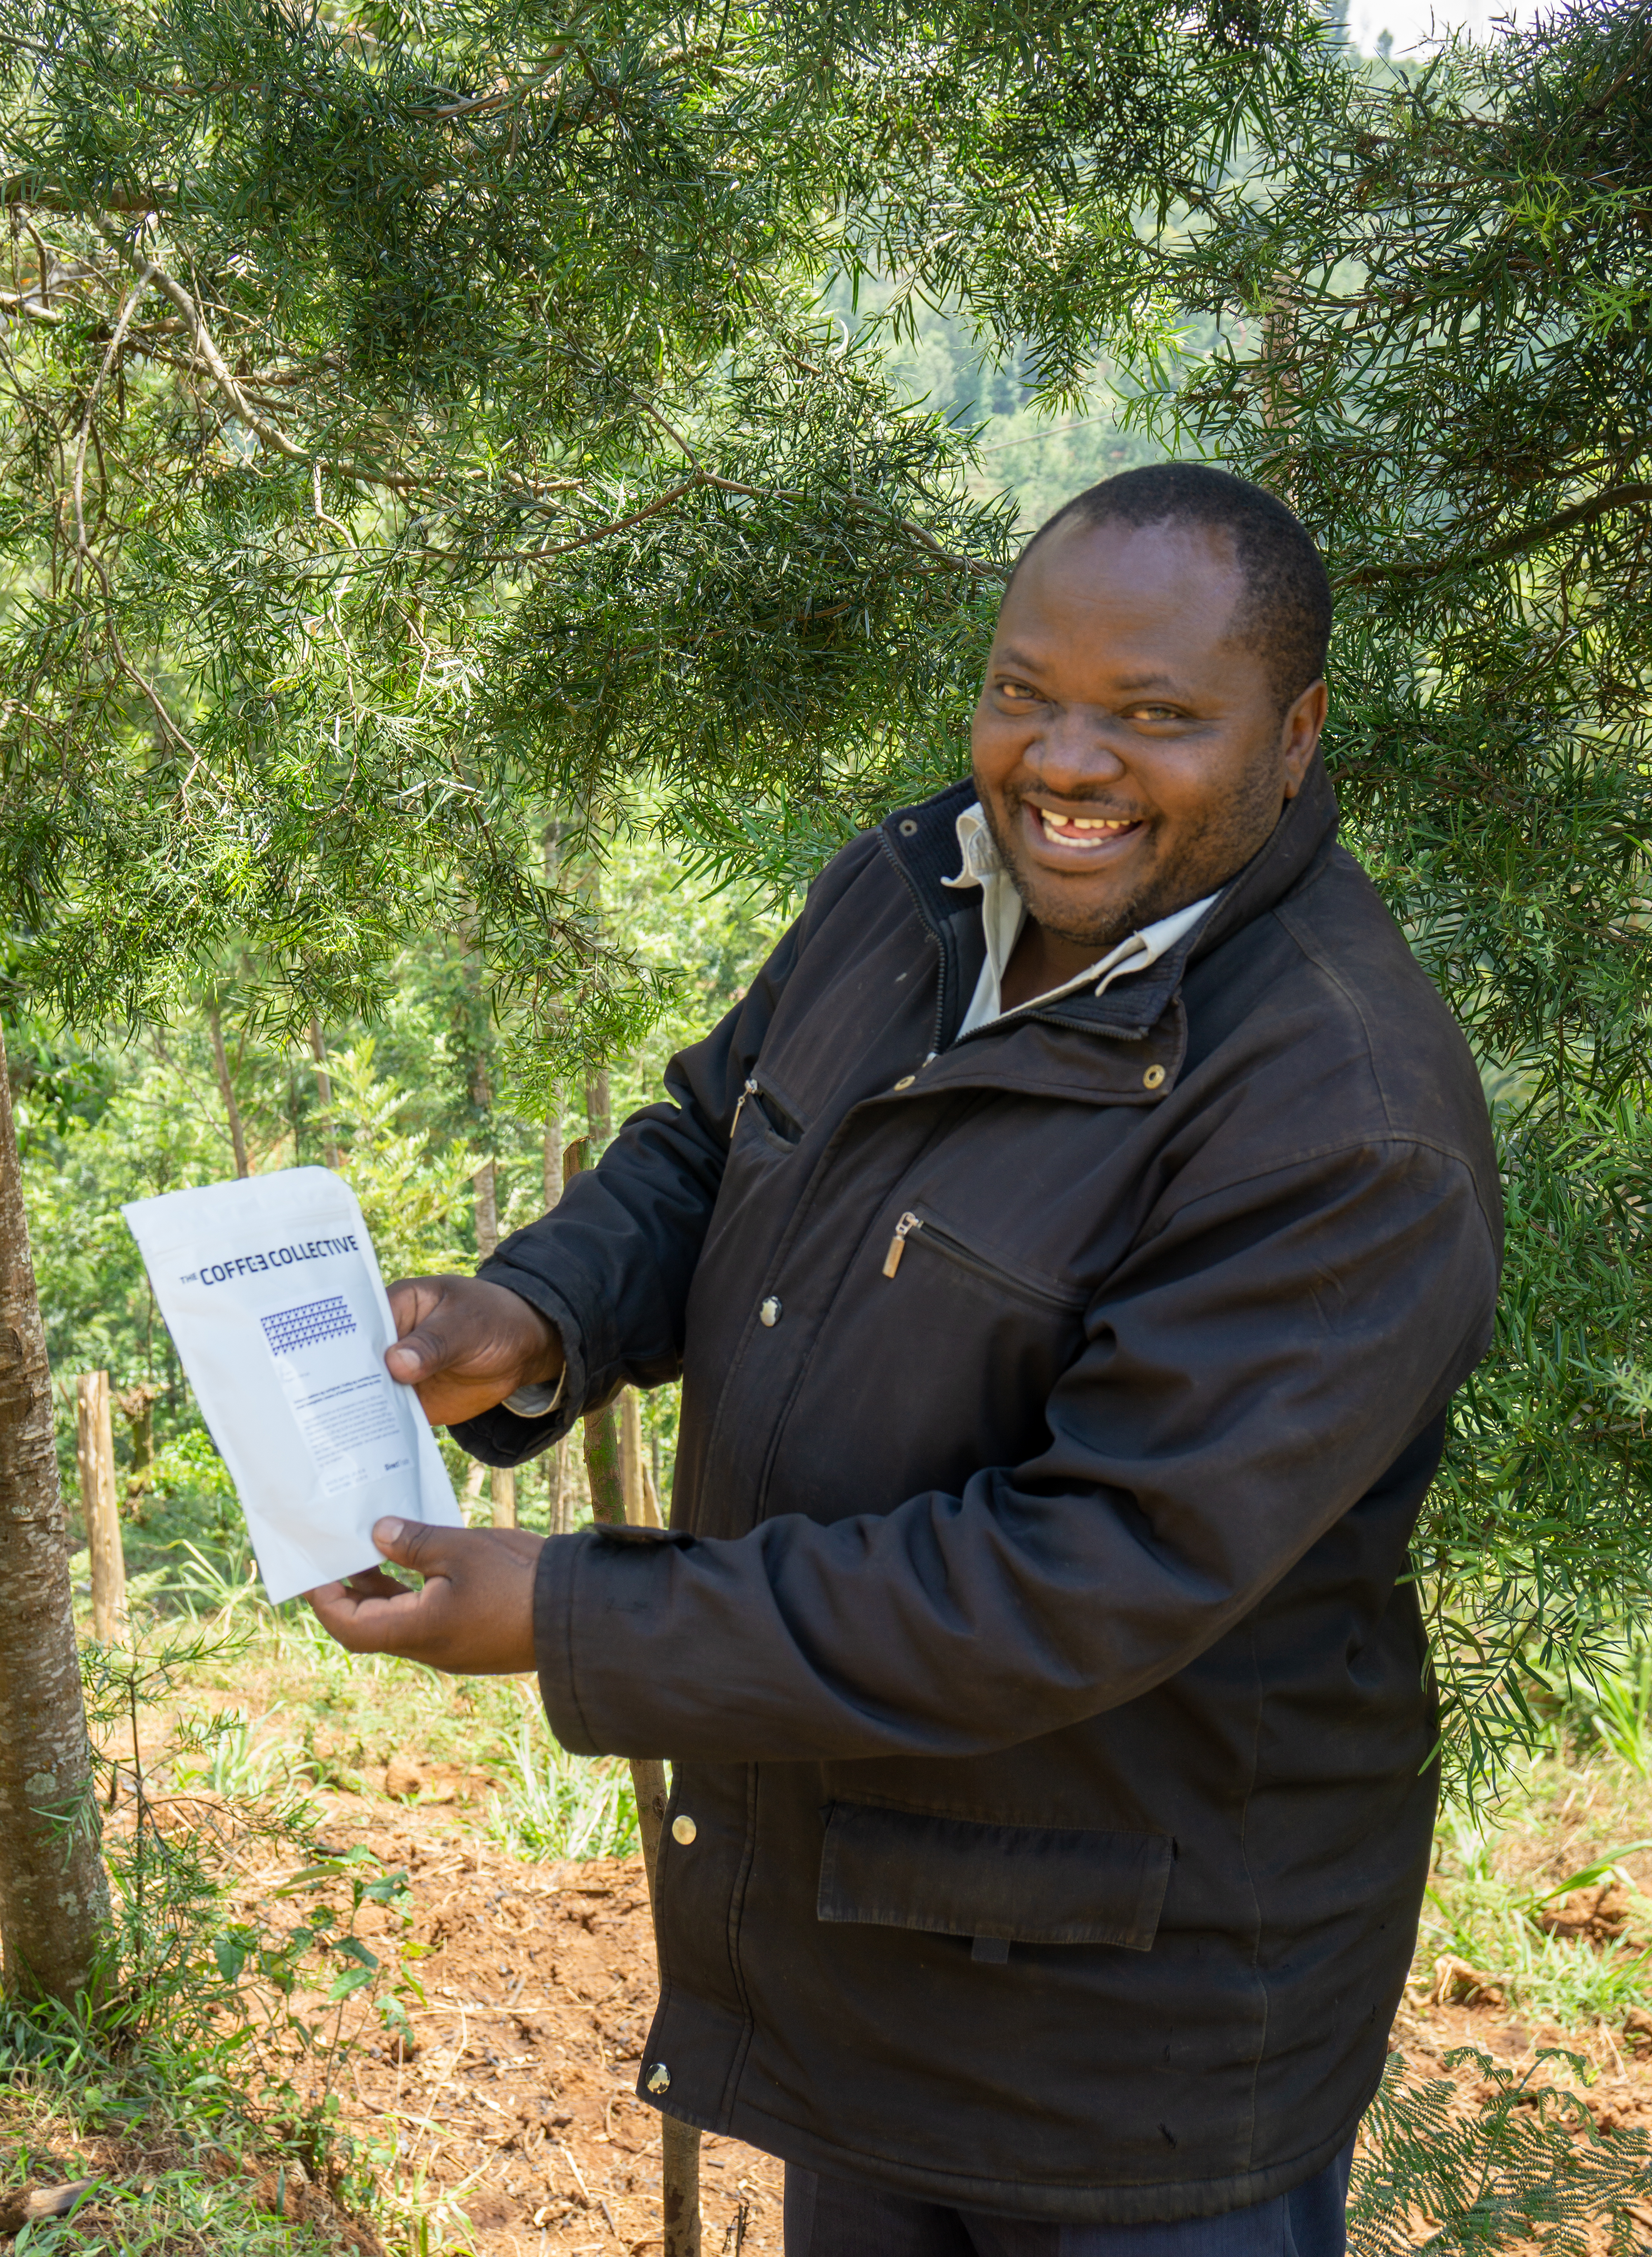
<point x="517" y="2105"/>
<point x="510" y="2121"/>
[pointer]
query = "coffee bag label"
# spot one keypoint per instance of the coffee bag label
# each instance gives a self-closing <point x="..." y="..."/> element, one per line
<point x="272" y="1292"/>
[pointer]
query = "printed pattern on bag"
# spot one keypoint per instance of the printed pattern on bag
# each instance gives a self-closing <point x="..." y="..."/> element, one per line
<point x="289" y="1330"/>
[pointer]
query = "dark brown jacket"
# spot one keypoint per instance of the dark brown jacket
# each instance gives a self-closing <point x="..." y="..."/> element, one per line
<point x="1031" y="1640"/>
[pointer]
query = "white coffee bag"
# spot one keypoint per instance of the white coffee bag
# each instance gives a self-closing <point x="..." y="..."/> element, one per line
<point x="272" y="1294"/>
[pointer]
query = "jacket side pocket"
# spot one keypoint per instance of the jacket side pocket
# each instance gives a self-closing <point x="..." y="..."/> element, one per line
<point x="1009" y="1884"/>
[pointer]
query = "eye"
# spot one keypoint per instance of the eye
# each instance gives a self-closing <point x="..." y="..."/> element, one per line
<point x="1153" y="713"/>
<point x="1018" y="693"/>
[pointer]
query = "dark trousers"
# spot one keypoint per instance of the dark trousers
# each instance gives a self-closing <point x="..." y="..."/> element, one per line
<point x="843" y="2218"/>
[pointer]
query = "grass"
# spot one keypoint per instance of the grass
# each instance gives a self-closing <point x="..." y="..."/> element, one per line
<point x="1575" y="1823"/>
<point x="554" y="1805"/>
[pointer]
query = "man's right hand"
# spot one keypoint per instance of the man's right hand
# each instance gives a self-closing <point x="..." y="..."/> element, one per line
<point x="466" y="1345"/>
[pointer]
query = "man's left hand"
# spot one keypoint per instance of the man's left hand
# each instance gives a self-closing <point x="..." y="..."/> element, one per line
<point x="474" y="1616"/>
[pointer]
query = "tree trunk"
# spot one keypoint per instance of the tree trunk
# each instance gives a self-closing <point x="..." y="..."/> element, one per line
<point x="137" y="1407"/>
<point x="325" y="1090"/>
<point x="679" y="2142"/>
<point x="226" y="1091"/>
<point x="53" y="1896"/>
<point x="485" y="1189"/>
<point x="642" y="1508"/>
<point x="597" y="1107"/>
<point x="96" y="1450"/>
<point x="551" y="843"/>
<point x="485" y="1208"/>
<point x="502" y="1489"/>
<point x="553" y="1155"/>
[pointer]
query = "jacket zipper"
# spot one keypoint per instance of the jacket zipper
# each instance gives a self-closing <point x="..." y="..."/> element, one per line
<point x="750" y="1090"/>
<point x="967" y="1259"/>
<point x="897" y="1245"/>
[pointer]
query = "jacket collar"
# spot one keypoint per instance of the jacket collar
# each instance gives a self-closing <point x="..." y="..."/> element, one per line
<point x="923" y="843"/>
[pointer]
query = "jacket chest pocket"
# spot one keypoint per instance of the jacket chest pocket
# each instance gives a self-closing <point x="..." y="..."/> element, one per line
<point x="766" y="1117"/>
<point x="968" y="1258"/>
<point x="999" y="1885"/>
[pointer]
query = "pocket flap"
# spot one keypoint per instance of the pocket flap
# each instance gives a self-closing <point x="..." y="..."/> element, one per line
<point x="1026" y="1884"/>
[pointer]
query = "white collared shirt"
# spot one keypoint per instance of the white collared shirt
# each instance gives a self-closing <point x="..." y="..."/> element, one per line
<point x="1003" y="913"/>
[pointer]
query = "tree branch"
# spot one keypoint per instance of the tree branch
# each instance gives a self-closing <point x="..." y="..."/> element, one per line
<point x="126" y="312"/>
<point x="1513" y="544"/>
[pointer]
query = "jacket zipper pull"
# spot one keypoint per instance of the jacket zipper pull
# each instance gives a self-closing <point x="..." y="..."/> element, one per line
<point x="908" y="1223"/>
<point x="750" y="1090"/>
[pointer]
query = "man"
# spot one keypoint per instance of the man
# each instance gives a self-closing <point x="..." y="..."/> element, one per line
<point x="1070" y="1246"/>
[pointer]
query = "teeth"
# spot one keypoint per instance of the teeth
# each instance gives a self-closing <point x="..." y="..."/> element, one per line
<point x="1060" y="825"/>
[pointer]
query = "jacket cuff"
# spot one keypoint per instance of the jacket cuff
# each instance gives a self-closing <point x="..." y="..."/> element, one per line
<point x="553" y="1644"/>
<point x="592" y="1559"/>
<point x="500" y="1437"/>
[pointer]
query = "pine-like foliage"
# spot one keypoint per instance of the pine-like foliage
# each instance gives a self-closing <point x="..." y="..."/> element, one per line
<point x="1526" y="2170"/>
<point x="417" y="421"/>
<point x="1436" y="323"/>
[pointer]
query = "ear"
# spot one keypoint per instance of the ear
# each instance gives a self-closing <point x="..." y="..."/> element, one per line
<point x="1299" y="735"/>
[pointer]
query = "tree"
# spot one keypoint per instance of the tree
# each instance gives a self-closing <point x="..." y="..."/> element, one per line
<point x="1430" y="308"/>
<point x="54" y="1897"/>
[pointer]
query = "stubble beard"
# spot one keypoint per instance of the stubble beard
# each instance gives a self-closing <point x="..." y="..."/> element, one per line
<point x="1205" y="859"/>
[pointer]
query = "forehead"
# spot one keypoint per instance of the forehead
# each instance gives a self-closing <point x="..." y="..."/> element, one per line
<point x="1090" y="591"/>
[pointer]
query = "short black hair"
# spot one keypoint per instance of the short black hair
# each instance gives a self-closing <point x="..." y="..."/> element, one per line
<point x="1285" y="613"/>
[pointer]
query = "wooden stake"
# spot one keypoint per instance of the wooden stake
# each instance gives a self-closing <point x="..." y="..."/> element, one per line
<point x="95" y="1449"/>
<point x="679" y="2142"/>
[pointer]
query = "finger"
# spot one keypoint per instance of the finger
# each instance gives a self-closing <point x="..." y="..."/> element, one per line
<point x="373" y="1625"/>
<point x="373" y="1583"/>
<point x="411" y="1299"/>
<point x="419" y="1353"/>
<point x="414" y="1544"/>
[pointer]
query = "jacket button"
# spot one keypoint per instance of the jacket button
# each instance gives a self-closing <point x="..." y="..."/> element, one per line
<point x="659" y="2077"/>
<point x="909" y="829"/>
<point x="906" y="1081"/>
<point x="770" y="1311"/>
<point x="683" y="1830"/>
<point x="1153" y="1078"/>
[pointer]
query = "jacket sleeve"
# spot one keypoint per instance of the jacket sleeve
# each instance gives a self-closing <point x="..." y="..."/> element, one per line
<point x="1249" y="1372"/>
<point x="611" y="1264"/>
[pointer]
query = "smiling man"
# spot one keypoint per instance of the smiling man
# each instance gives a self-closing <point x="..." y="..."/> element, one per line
<point x="1070" y="1247"/>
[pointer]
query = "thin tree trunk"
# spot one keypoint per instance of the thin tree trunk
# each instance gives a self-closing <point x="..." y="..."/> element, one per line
<point x="325" y="1090"/>
<point x="53" y="1895"/>
<point x="679" y="2142"/>
<point x="641" y="1509"/>
<point x="597" y="1104"/>
<point x="96" y="1451"/>
<point x="553" y="1153"/>
<point x="551" y="843"/>
<point x="137" y="1407"/>
<point x="226" y="1091"/>
<point x="485" y="1208"/>
<point x="502" y="1490"/>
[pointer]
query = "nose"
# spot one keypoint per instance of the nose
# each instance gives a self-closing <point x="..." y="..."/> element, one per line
<point x="1073" y="753"/>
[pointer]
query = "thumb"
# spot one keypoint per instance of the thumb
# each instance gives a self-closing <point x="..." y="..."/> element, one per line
<point x="411" y="1543"/>
<point x="421" y="1352"/>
